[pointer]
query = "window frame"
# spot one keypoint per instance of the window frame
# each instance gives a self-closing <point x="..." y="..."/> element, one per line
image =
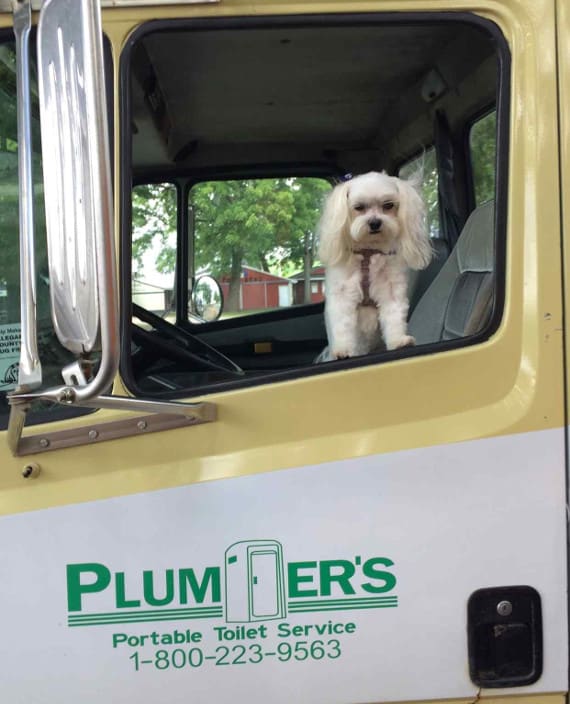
<point x="502" y="102"/>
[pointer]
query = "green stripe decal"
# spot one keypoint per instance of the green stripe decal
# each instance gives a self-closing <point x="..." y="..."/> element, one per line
<point x="214" y="612"/>
<point x="142" y="616"/>
<point x="349" y="600"/>
<point x="345" y="607"/>
<point x="340" y="604"/>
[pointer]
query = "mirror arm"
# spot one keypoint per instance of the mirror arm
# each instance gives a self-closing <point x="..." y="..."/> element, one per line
<point x="201" y="410"/>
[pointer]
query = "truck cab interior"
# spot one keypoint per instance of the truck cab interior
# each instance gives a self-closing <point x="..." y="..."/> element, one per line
<point x="234" y="130"/>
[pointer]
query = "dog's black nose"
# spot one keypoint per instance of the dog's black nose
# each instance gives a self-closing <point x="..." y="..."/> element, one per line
<point x="375" y="225"/>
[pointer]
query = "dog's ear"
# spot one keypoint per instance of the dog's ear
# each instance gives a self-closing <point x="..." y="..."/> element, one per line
<point x="334" y="235"/>
<point x="416" y="247"/>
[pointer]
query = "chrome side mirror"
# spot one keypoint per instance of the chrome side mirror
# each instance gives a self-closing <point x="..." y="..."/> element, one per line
<point x="79" y="216"/>
<point x="207" y="299"/>
<point x="79" y="212"/>
<point x="77" y="178"/>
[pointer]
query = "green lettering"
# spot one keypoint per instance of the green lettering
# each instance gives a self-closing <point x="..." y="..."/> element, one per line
<point x="148" y="589"/>
<point x="119" y="638"/>
<point x="283" y="630"/>
<point x="294" y="579"/>
<point x="122" y="602"/>
<point x="211" y="579"/>
<point x="388" y="579"/>
<point x="76" y="588"/>
<point x="347" y="570"/>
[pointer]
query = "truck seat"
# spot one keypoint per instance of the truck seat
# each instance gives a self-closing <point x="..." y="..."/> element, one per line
<point x="459" y="300"/>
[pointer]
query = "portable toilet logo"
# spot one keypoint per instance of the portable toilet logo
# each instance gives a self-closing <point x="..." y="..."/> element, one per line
<point x="255" y="581"/>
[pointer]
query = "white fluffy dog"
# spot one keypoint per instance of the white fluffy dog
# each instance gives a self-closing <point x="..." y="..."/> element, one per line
<point x="373" y="228"/>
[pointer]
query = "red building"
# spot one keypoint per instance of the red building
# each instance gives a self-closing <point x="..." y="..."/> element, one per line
<point x="260" y="290"/>
<point x="317" y="284"/>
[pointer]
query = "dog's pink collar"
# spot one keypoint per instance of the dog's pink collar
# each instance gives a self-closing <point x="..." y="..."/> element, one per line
<point x="365" y="271"/>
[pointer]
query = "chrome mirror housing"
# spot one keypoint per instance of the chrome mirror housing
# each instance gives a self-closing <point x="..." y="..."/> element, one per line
<point x="207" y="300"/>
<point x="77" y="178"/>
<point x="79" y="216"/>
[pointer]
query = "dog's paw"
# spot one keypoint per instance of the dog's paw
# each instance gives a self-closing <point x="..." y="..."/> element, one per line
<point x="404" y="341"/>
<point x="342" y="353"/>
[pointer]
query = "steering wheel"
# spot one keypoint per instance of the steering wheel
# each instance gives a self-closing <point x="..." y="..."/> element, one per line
<point x="180" y="344"/>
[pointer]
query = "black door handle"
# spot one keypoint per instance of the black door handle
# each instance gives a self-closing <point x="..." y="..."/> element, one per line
<point x="504" y="636"/>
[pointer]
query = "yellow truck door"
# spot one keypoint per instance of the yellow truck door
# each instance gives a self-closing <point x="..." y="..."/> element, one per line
<point x="390" y="528"/>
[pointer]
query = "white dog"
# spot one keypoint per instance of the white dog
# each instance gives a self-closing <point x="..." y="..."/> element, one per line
<point x="373" y="228"/>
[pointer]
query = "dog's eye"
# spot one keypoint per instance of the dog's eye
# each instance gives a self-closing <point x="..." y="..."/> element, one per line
<point x="388" y="206"/>
<point x="360" y="207"/>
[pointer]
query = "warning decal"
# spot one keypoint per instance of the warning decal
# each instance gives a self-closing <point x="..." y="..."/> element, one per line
<point x="9" y="355"/>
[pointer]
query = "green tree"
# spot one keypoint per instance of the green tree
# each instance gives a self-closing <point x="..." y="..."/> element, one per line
<point x="310" y="194"/>
<point x="154" y="223"/>
<point x="267" y="223"/>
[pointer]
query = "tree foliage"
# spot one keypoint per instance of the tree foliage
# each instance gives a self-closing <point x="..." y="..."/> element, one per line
<point x="263" y="220"/>
<point x="266" y="223"/>
<point x="269" y="224"/>
<point x="154" y="224"/>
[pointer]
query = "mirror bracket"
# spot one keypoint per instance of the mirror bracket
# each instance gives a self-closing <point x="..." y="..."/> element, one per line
<point x="165" y="415"/>
<point x="113" y="430"/>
